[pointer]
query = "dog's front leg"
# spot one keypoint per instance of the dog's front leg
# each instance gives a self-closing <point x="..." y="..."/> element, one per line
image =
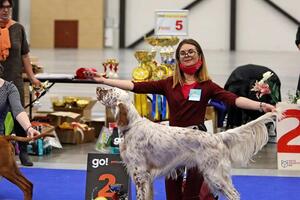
<point x="143" y="184"/>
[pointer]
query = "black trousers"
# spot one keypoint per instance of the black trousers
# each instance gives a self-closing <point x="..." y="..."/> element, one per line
<point x="194" y="187"/>
<point x="19" y="131"/>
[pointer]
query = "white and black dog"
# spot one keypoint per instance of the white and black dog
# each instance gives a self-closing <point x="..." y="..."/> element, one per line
<point x="150" y="149"/>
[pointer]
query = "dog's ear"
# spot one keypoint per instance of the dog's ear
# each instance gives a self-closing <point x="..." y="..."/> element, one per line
<point x="122" y="115"/>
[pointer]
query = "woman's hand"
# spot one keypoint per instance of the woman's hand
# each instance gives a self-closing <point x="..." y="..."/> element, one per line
<point x="99" y="78"/>
<point x="249" y="104"/>
<point x="31" y="132"/>
<point x="267" y="107"/>
<point x="35" y="82"/>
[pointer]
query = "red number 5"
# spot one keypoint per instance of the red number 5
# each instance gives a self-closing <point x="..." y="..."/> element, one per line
<point x="282" y="145"/>
<point x="179" y="25"/>
<point x="104" y="192"/>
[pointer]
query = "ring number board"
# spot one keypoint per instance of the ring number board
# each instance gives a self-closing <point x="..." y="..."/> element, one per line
<point x="106" y="177"/>
<point x="171" y="22"/>
<point x="288" y="137"/>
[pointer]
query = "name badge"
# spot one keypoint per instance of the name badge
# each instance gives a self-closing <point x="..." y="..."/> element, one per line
<point x="195" y="95"/>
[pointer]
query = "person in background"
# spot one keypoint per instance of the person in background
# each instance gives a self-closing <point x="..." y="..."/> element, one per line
<point x="10" y="101"/>
<point x="14" y="57"/>
<point x="188" y="92"/>
<point x="297" y="41"/>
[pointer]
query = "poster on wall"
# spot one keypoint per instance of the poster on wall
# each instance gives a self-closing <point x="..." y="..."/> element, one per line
<point x="171" y="22"/>
<point x="288" y="137"/>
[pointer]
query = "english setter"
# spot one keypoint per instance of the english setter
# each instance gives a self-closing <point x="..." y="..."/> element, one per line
<point x="150" y="149"/>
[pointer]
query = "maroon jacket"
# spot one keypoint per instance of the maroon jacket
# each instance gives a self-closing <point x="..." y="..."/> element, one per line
<point x="182" y="111"/>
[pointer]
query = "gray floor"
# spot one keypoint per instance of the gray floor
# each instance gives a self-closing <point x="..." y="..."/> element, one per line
<point x="220" y="65"/>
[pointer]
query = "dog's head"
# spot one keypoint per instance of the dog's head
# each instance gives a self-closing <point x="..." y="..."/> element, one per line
<point x="117" y="99"/>
<point x="111" y="97"/>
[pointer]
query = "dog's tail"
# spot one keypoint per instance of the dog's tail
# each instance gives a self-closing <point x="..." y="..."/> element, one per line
<point x="245" y="141"/>
<point x="27" y="139"/>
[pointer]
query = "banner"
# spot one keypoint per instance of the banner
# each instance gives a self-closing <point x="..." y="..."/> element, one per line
<point x="288" y="137"/>
<point x="106" y="177"/>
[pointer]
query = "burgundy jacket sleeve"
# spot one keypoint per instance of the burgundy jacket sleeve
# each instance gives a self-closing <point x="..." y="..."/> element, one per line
<point x="223" y="95"/>
<point x="151" y="87"/>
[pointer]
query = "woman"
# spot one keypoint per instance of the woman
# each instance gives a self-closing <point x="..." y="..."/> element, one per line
<point x="188" y="93"/>
<point x="10" y="101"/>
<point x="14" y="56"/>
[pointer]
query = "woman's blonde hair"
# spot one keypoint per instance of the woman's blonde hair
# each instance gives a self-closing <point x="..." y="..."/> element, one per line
<point x="200" y="75"/>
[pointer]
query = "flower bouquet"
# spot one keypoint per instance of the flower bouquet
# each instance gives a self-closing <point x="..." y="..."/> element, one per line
<point x="294" y="99"/>
<point x="265" y="86"/>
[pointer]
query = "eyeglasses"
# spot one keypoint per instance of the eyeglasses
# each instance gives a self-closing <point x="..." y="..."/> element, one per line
<point x="190" y="53"/>
<point x="4" y="7"/>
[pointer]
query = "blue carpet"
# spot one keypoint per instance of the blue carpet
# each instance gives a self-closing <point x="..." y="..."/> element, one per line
<point x="49" y="184"/>
<point x="52" y="184"/>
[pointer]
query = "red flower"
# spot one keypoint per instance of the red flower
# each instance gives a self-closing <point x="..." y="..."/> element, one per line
<point x="261" y="89"/>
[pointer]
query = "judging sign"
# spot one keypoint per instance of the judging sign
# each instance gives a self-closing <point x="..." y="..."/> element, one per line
<point x="171" y="22"/>
<point x="103" y="172"/>
<point x="288" y="137"/>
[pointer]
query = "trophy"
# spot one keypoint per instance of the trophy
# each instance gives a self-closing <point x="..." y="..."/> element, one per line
<point x="105" y="64"/>
<point x="144" y="69"/>
<point x="166" y="45"/>
<point x="38" y="91"/>
<point x="111" y="65"/>
<point x="165" y="69"/>
<point x="142" y="73"/>
<point x="115" y="68"/>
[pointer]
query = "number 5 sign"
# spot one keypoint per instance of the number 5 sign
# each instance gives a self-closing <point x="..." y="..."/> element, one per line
<point x="171" y="22"/>
<point x="288" y="137"/>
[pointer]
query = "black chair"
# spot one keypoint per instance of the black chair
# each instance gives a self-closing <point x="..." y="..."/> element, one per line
<point x="241" y="82"/>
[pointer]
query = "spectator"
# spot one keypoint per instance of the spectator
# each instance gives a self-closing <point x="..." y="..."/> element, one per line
<point x="14" y="57"/>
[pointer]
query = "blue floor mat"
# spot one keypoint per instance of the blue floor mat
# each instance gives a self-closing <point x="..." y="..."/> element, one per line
<point x="54" y="184"/>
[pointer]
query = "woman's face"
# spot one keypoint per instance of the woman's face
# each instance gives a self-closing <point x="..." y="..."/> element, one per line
<point x="5" y="11"/>
<point x="188" y="55"/>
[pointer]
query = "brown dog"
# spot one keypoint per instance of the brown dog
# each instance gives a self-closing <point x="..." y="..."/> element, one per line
<point x="8" y="165"/>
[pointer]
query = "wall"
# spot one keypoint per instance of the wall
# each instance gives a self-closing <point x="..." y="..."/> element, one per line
<point x="89" y="14"/>
<point x="259" y="27"/>
<point x="24" y="16"/>
<point x="112" y="24"/>
<point x="207" y="22"/>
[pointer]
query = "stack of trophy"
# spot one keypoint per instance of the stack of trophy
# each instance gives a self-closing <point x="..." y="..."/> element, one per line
<point x="149" y="69"/>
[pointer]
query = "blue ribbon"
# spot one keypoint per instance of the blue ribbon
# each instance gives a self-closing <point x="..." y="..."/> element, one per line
<point x="164" y="108"/>
<point x="159" y="102"/>
<point x="153" y="110"/>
